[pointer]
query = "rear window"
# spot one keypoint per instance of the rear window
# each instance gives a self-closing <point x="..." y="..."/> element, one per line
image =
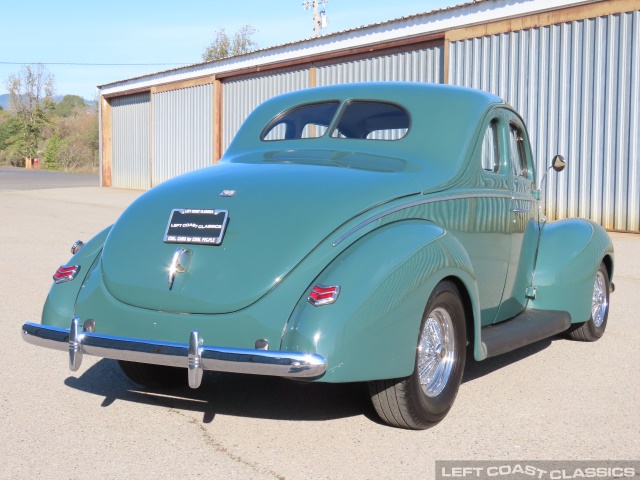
<point x="308" y="121"/>
<point x="372" y="121"/>
<point x="367" y="120"/>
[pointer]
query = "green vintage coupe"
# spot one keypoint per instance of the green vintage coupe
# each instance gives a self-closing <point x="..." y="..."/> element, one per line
<point x="352" y="233"/>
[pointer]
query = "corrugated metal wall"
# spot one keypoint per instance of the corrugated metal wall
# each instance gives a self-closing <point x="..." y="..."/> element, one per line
<point x="130" y="141"/>
<point x="182" y="131"/>
<point x="241" y="97"/>
<point x="577" y="85"/>
<point x="426" y="65"/>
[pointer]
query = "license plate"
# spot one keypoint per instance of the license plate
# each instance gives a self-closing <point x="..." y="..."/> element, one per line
<point x="202" y="227"/>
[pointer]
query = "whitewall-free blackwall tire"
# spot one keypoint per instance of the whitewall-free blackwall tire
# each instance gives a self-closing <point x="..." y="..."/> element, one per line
<point x="423" y="399"/>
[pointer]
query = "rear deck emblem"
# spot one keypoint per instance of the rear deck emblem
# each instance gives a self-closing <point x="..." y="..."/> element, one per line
<point x="179" y="263"/>
<point x="227" y="193"/>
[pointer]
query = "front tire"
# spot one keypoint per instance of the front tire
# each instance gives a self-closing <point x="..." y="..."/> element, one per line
<point x="154" y="376"/>
<point x="593" y="329"/>
<point x="423" y="399"/>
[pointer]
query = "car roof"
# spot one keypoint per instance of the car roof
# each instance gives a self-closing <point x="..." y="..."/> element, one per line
<point x="444" y="123"/>
<point x="402" y="92"/>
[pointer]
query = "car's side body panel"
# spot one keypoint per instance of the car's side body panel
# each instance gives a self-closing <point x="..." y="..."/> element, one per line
<point x="371" y="332"/>
<point x="59" y="306"/>
<point x="569" y="255"/>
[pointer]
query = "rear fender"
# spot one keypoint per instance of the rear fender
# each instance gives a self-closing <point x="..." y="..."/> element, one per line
<point x="60" y="304"/>
<point x="386" y="277"/>
<point x="569" y="256"/>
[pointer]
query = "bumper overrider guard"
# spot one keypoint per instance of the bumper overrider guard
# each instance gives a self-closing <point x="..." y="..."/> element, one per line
<point x="195" y="356"/>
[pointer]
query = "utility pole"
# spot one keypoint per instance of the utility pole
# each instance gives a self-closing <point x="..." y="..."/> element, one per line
<point x="319" y="17"/>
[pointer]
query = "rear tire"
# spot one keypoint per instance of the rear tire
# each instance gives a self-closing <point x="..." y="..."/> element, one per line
<point x="423" y="399"/>
<point x="154" y="376"/>
<point x="593" y="329"/>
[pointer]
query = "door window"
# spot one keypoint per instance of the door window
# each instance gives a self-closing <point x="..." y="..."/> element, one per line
<point x="490" y="153"/>
<point x="518" y="154"/>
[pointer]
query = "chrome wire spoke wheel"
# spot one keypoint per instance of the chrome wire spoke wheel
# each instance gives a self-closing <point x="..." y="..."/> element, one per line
<point x="436" y="352"/>
<point x="594" y="328"/>
<point x="424" y="398"/>
<point x="599" y="302"/>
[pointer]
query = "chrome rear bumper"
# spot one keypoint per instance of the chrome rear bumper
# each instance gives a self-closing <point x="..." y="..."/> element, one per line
<point x="195" y="356"/>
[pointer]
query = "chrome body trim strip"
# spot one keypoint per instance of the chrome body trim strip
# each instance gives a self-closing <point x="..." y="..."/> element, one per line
<point x="364" y="223"/>
<point x="194" y="356"/>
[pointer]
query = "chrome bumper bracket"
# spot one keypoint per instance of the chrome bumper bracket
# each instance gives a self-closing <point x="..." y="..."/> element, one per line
<point x="194" y="356"/>
<point x="75" y="349"/>
<point x="195" y="360"/>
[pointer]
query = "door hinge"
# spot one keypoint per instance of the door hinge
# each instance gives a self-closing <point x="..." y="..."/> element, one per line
<point x="531" y="292"/>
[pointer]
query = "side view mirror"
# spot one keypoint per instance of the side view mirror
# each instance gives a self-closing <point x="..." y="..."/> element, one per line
<point x="558" y="163"/>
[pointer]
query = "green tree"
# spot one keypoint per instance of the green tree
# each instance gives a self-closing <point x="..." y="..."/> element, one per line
<point x="224" y="46"/>
<point x="70" y="105"/>
<point x="9" y="128"/>
<point x="9" y="134"/>
<point x="73" y="144"/>
<point x="31" y="98"/>
<point x="52" y="152"/>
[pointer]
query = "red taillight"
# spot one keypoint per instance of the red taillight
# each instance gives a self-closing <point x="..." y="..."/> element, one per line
<point x="323" y="295"/>
<point x="66" y="273"/>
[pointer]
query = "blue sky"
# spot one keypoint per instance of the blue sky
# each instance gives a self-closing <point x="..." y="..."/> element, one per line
<point x="160" y="32"/>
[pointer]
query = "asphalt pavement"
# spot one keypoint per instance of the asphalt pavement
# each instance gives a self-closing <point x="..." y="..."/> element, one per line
<point x="17" y="179"/>
<point x="553" y="400"/>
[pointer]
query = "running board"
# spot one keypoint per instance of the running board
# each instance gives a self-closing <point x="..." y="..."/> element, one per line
<point x="523" y="329"/>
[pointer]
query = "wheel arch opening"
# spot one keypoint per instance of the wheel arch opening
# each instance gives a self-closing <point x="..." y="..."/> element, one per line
<point x="608" y="263"/>
<point x="468" y="306"/>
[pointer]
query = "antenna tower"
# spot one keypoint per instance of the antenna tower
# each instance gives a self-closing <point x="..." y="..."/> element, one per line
<point x="319" y="16"/>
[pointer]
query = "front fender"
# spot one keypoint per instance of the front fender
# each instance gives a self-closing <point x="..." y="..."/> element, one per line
<point x="569" y="256"/>
<point x="60" y="304"/>
<point x="386" y="277"/>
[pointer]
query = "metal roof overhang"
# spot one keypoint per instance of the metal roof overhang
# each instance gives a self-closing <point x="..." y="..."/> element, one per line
<point x="403" y="31"/>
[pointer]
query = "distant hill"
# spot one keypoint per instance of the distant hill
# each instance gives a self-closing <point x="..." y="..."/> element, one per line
<point x="4" y="100"/>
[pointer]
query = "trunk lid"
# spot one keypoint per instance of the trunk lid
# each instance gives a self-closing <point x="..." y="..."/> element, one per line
<point x="278" y="214"/>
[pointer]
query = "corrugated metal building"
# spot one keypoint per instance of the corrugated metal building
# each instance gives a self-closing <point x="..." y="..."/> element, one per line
<point x="571" y="68"/>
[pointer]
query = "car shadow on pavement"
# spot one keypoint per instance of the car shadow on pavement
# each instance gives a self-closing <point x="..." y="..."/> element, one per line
<point x="265" y="397"/>
<point x="474" y="369"/>
<point x="232" y="394"/>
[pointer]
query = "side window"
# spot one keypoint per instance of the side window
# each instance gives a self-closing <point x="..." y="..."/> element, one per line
<point x="490" y="153"/>
<point x="518" y="154"/>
